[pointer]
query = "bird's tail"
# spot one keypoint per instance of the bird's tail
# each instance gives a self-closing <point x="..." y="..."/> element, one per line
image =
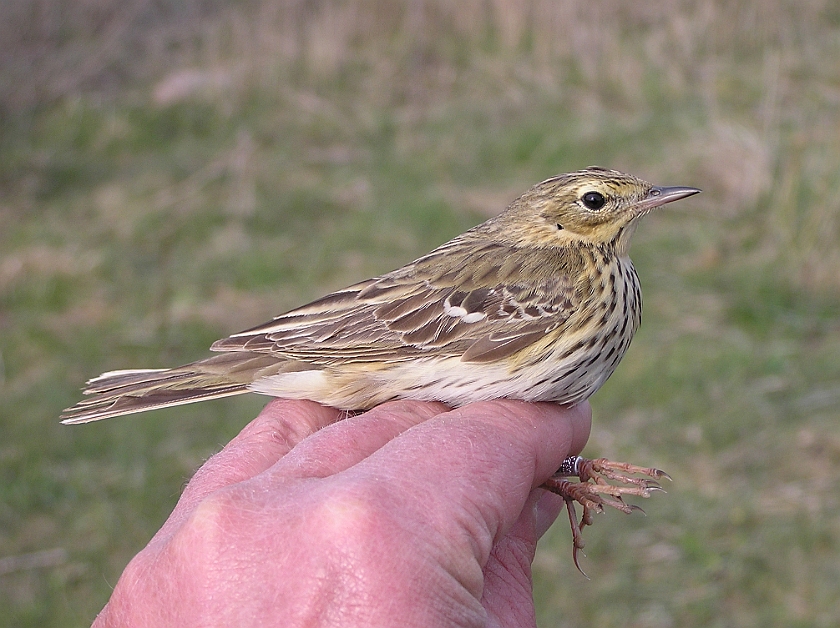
<point x="126" y="392"/>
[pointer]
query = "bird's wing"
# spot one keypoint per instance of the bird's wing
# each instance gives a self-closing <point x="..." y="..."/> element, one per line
<point x="482" y="303"/>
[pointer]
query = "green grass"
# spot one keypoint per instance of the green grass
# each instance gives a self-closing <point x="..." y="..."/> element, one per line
<point x="309" y="148"/>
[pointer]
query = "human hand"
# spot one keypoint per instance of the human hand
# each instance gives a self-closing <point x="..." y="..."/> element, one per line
<point x="410" y="514"/>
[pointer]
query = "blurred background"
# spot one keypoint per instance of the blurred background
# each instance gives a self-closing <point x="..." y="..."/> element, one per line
<point x="175" y="171"/>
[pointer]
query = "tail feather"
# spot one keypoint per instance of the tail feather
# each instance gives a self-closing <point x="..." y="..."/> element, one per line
<point x="94" y="410"/>
<point x="125" y="392"/>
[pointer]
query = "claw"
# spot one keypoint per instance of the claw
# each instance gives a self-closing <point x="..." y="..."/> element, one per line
<point x="575" y="552"/>
<point x="594" y="492"/>
<point x="577" y="537"/>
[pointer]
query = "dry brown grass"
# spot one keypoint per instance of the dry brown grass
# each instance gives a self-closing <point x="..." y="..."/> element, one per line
<point x="759" y="91"/>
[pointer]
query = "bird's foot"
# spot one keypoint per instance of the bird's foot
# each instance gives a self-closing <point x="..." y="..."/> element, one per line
<point x="593" y="491"/>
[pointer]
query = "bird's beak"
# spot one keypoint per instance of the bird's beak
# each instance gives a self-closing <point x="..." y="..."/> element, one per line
<point x="660" y="195"/>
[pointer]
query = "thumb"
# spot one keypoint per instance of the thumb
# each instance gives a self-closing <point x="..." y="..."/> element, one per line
<point x="508" y="584"/>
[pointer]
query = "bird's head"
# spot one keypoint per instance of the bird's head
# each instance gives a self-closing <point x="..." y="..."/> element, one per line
<point x="595" y="205"/>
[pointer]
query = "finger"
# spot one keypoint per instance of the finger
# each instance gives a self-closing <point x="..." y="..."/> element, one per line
<point x="470" y="471"/>
<point x="340" y="446"/>
<point x="281" y="425"/>
<point x="508" y="593"/>
<point x="508" y="578"/>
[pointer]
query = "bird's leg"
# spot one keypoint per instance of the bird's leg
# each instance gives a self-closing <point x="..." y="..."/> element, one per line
<point x="593" y="491"/>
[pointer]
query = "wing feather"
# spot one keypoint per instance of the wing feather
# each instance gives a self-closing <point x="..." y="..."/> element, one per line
<point x="468" y="301"/>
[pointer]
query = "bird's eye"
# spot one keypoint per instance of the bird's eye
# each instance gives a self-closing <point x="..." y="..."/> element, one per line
<point x="593" y="200"/>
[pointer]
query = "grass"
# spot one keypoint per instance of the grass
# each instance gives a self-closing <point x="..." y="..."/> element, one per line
<point x="172" y="173"/>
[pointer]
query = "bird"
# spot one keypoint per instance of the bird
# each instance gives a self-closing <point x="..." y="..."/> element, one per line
<point x="538" y="303"/>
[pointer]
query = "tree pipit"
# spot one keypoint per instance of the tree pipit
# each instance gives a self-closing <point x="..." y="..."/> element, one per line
<point x="539" y="303"/>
